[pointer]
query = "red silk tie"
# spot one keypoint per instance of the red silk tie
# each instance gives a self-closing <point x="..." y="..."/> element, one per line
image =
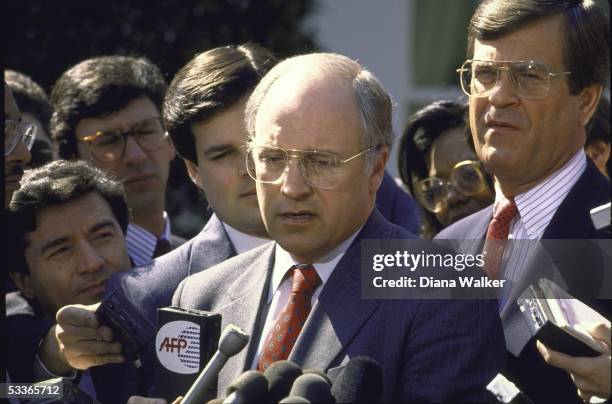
<point x="291" y="319"/>
<point x="497" y="236"/>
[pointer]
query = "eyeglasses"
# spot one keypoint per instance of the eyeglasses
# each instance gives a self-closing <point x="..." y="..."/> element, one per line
<point x="110" y="145"/>
<point x="466" y="178"/>
<point x="320" y="169"/>
<point x="16" y="131"/>
<point x="530" y="79"/>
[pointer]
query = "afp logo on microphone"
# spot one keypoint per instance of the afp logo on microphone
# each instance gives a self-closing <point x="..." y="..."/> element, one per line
<point x="178" y="346"/>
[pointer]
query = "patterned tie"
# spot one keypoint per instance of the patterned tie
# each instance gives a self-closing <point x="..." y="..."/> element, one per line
<point x="162" y="247"/>
<point x="291" y="319"/>
<point x="497" y="236"/>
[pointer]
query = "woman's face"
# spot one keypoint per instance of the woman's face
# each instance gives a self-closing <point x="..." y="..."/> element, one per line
<point x="449" y="149"/>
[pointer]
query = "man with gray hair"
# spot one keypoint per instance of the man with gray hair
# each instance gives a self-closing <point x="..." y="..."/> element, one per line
<point x="320" y="132"/>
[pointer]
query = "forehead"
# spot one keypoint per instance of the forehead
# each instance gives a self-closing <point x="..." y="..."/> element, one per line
<point x="450" y="148"/>
<point x="302" y="111"/>
<point x="226" y="127"/>
<point x="138" y="110"/>
<point x="70" y="219"/>
<point x="10" y="106"/>
<point x="542" y="40"/>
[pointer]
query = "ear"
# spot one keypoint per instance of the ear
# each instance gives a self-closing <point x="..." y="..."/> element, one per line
<point x="194" y="172"/>
<point x="599" y="152"/>
<point x="378" y="171"/>
<point x="588" y="99"/>
<point x="22" y="281"/>
<point x="169" y="147"/>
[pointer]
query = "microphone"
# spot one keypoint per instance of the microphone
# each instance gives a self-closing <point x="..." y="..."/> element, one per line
<point x="506" y="392"/>
<point x="318" y="372"/>
<point x="360" y="381"/>
<point x="294" y="400"/>
<point x="249" y="387"/>
<point x="313" y="388"/>
<point x="280" y="376"/>
<point x="233" y="340"/>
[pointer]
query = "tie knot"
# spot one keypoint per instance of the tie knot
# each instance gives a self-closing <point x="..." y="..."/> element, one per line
<point x="305" y="279"/>
<point x="505" y="210"/>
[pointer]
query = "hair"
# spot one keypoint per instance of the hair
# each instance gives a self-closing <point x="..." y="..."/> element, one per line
<point x="211" y="82"/>
<point x="586" y="33"/>
<point x="416" y="142"/>
<point x="373" y="101"/>
<point x="57" y="183"/>
<point x="30" y="96"/>
<point x="598" y="128"/>
<point x="98" y="87"/>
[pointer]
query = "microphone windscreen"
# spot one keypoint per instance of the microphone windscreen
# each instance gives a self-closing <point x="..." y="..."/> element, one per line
<point x="312" y="387"/>
<point x="360" y="381"/>
<point x="318" y="372"/>
<point x="280" y="376"/>
<point x="233" y="339"/>
<point x="294" y="400"/>
<point x="251" y="385"/>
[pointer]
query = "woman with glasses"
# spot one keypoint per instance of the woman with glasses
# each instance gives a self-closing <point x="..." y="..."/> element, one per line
<point x="438" y="164"/>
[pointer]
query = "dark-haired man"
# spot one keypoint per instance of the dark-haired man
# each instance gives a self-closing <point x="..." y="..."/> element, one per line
<point x="18" y="138"/>
<point x="35" y="107"/>
<point x="67" y="222"/>
<point x="534" y="74"/>
<point x="107" y="110"/>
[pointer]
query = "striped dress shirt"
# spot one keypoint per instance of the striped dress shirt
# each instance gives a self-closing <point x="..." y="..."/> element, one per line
<point x="536" y="209"/>
<point x="141" y="243"/>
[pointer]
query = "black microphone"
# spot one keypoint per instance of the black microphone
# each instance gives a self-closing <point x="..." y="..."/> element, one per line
<point x="360" y="381"/>
<point x="313" y="388"/>
<point x="280" y="376"/>
<point x="249" y="387"/>
<point x="318" y="372"/>
<point x="233" y="340"/>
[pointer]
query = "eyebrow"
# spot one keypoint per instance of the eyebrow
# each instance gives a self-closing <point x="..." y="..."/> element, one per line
<point x="61" y="240"/>
<point x="218" y="148"/>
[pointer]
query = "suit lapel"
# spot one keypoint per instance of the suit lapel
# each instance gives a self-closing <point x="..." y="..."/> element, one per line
<point x="211" y="247"/>
<point x="339" y="312"/>
<point x="247" y="296"/>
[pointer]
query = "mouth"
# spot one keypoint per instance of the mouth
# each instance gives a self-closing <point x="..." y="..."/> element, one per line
<point x="138" y="178"/>
<point x="12" y="179"/>
<point x="300" y="216"/>
<point x="501" y="126"/>
<point x="248" y="193"/>
<point x="94" y="289"/>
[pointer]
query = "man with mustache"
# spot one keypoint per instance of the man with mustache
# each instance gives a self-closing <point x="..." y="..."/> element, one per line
<point x="67" y="224"/>
<point x="107" y="110"/>
<point x="534" y="75"/>
<point x="18" y="139"/>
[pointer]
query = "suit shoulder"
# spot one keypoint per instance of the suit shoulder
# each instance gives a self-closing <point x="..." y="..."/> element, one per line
<point x="459" y="229"/>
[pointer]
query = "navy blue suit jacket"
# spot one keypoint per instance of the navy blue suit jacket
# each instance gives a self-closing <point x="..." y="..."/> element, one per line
<point x="429" y="351"/>
<point x="541" y="382"/>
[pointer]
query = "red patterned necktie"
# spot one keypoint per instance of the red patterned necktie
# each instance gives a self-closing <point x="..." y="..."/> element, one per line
<point x="291" y="319"/>
<point x="497" y="236"/>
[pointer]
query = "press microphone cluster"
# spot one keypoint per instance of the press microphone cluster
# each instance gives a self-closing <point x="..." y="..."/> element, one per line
<point x="359" y="381"/>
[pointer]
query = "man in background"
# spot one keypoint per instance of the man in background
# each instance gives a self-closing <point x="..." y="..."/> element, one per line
<point x="107" y="110"/>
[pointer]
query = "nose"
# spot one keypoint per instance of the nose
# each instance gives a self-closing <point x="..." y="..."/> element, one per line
<point x="294" y="185"/>
<point x="504" y="93"/>
<point x="90" y="260"/>
<point x="133" y="152"/>
<point x="454" y="197"/>
<point x="19" y="153"/>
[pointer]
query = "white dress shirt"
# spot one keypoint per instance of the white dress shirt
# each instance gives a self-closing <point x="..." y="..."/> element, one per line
<point x="536" y="208"/>
<point x="279" y="288"/>
<point x="243" y="242"/>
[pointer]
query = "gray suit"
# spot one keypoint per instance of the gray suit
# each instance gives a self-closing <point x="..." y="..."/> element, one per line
<point x="428" y="350"/>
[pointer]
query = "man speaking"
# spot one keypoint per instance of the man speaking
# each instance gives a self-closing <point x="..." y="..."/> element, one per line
<point x="320" y="132"/>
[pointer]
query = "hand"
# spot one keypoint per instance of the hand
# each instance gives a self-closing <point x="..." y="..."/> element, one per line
<point x="82" y="340"/>
<point x="51" y="355"/>
<point x="590" y="375"/>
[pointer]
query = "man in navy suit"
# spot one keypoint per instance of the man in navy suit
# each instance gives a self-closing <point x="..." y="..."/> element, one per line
<point x="320" y="132"/>
<point x="534" y="74"/>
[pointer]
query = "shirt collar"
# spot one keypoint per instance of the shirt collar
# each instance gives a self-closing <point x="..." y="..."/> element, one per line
<point x="324" y="267"/>
<point x="535" y="214"/>
<point x="243" y="242"/>
<point x="141" y="243"/>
